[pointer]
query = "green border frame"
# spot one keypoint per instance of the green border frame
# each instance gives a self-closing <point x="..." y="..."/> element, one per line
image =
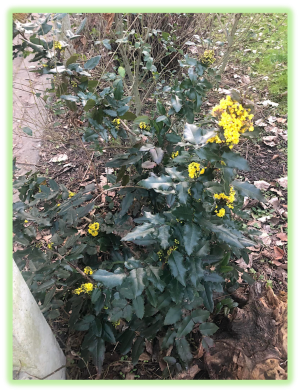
<point x="151" y="385"/>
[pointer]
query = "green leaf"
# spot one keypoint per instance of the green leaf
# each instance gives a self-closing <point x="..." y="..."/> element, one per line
<point x="89" y="105"/>
<point x="126" y="340"/>
<point x="163" y="235"/>
<point x="137" y="350"/>
<point x="71" y="98"/>
<point x="109" y="279"/>
<point x="246" y="189"/>
<point x="153" y="276"/>
<point x="108" y="335"/>
<point x="110" y="112"/>
<point x="175" y="263"/>
<point x="46" y="285"/>
<point x="161" y="108"/>
<point x="235" y="160"/>
<point x="185" y="327"/>
<point x="92" y="63"/>
<point x="173" y="315"/>
<point x="192" y="234"/>
<point x="207" y="296"/>
<point x="196" y="135"/>
<point x="139" y="232"/>
<point x="95" y="295"/>
<point x="140" y="119"/>
<point x="72" y="59"/>
<point x="208" y="328"/>
<point x="121" y="71"/>
<point x="84" y="324"/>
<point x="27" y="130"/>
<point x="176" y="103"/>
<point x="136" y="278"/>
<point x="183" y="213"/>
<point x="248" y="278"/>
<point x="182" y="191"/>
<point x="168" y="339"/>
<point x="138" y="304"/>
<point x="126" y="204"/>
<point x="200" y="315"/>
<point x="118" y="91"/>
<point x="160" y="184"/>
<point x="173" y="138"/>
<point x="98" y="354"/>
<point x="81" y="27"/>
<point x="128" y="116"/>
<point x="174" y="173"/>
<point x="108" y="46"/>
<point x="183" y="350"/>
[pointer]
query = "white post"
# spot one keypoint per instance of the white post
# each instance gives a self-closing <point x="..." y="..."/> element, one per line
<point x="36" y="353"/>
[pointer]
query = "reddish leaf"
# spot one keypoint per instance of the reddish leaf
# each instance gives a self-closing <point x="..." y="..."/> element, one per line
<point x="278" y="253"/>
<point x="282" y="236"/>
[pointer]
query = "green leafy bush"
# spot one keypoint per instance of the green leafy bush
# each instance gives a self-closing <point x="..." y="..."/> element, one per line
<point x="181" y="212"/>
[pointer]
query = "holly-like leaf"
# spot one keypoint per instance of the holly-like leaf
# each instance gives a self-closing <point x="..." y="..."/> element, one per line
<point x="235" y="160"/>
<point x="246" y="189"/>
<point x="109" y="279"/>
<point x="192" y="234"/>
<point x="173" y="315"/>
<point x="138" y="304"/>
<point x="196" y="135"/>
<point x="92" y="63"/>
<point x="175" y="263"/>
<point x="183" y="350"/>
<point x="208" y="328"/>
<point x="163" y="235"/>
<point x="176" y="103"/>
<point x="137" y="349"/>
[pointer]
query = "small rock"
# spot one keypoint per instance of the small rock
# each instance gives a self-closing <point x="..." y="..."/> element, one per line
<point x="59" y="158"/>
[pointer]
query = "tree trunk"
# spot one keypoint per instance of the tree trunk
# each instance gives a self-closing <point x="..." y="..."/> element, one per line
<point x="254" y="344"/>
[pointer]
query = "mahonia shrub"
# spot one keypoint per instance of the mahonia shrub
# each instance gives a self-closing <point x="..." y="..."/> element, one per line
<point x="180" y="207"/>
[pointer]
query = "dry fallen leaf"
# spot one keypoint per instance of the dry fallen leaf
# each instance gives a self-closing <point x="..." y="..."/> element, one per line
<point x="282" y="236"/>
<point x="262" y="185"/>
<point x="281" y="120"/>
<point x="200" y="351"/>
<point x="260" y="123"/>
<point x="274" y="157"/>
<point x="276" y="191"/>
<point x="59" y="158"/>
<point x="283" y="181"/>
<point x="265" y="238"/>
<point x="270" y="140"/>
<point x="278" y="253"/>
<point x="275" y="202"/>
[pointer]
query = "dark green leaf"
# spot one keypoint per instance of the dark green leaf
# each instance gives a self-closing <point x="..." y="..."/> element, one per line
<point x="235" y="160"/>
<point x="208" y="328"/>
<point x="92" y="63"/>
<point x="175" y="263"/>
<point x="183" y="350"/>
<point x="137" y="350"/>
<point x="173" y="315"/>
<point x="192" y="234"/>
<point x="27" y="130"/>
<point x="246" y="189"/>
<point x="98" y="354"/>
<point x="138" y="304"/>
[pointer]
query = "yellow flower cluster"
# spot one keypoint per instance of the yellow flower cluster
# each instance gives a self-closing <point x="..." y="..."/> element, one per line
<point x="73" y="83"/>
<point x="45" y="65"/>
<point x="116" y="323"/>
<point x="171" y="249"/>
<point x="116" y="122"/>
<point x="160" y="254"/>
<point x="215" y="139"/>
<point x="208" y="57"/>
<point x="194" y="170"/>
<point x="220" y="213"/>
<point x="143" y="125"/>
<point x="180" y="221"/>
<point x="71" y="194"/>
<point x="57" y="45"/>
<point x="174" y="154"/>
<point x="58" y="205"/>
<point x="229" y="199"/>
<point x="189" y="192"/>
<point x="25" y="221"/>
<point x="234" y="120"/>
<point x="84" y="288"/>
<point x="93" y="229"/>
<point x="88" y="271"/>
<point x="50" y="244"/>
